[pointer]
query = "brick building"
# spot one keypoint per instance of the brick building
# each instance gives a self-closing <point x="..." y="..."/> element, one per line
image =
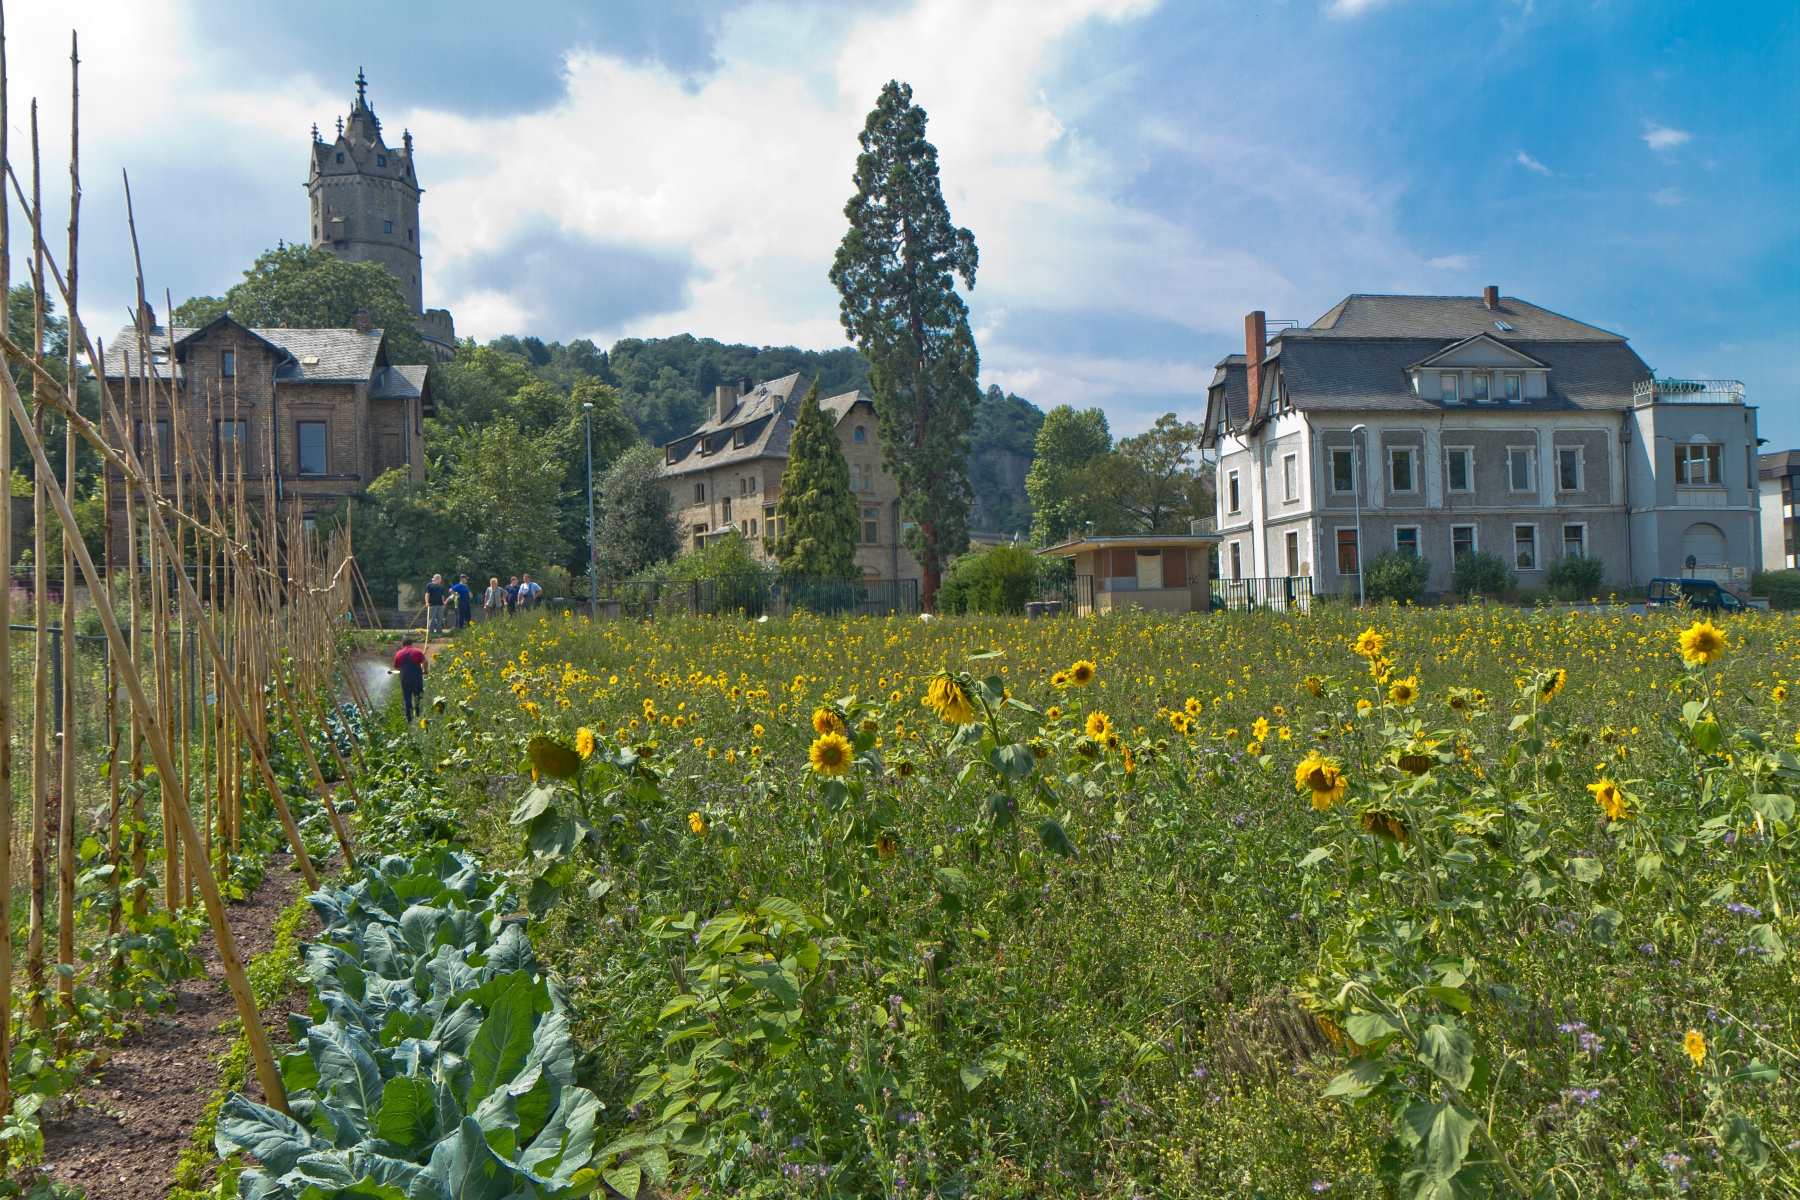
<point x="726" y="475"/>
<point x="324" y="404"/>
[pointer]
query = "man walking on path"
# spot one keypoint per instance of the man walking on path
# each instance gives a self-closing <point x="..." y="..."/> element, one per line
<point x="411" y="666"/>
<point x="529" y="593"/>
<point x="465" y="601"/>
<point x="434" y="606"/>
<point x="512" y="596"/>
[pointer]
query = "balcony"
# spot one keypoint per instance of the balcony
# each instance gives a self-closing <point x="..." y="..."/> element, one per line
<point x="1687" y="391"/>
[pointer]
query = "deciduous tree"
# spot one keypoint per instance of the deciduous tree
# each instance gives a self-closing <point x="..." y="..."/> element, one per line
<point x="636" y="527"/>
<point x="1067" y="444"/>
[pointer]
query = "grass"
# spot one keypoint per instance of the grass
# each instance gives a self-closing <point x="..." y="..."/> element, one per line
<point x="1134" y="1008"/>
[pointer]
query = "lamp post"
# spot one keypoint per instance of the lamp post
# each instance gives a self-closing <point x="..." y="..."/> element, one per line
<point x="587" y="417"/>
<point x="1356" y="481"/>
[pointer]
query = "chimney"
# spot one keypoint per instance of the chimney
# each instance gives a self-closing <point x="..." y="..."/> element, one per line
<point x="362" y="321"/>
<point x="728" y="399"/>
<point x="1256" y="339"/>
<point x="1490" y="296"/>
<point x="743" y="387"/>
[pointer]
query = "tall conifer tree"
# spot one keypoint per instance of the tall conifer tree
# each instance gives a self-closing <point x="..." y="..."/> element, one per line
<point x="896" y="272"/>
<point x="816" y="500"/>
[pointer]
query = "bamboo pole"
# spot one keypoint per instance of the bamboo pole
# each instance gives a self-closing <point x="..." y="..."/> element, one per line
<point x="65" y="838"/>
<point x="6" y="672"/>
<point x="40" y="667"/>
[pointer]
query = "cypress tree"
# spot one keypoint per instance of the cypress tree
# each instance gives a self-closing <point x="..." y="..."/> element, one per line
<point x="816" y="500"/>
<point x="896" y="273"/>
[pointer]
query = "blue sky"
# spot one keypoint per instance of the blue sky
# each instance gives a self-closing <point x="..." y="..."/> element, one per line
<point x="1137" y="175"/>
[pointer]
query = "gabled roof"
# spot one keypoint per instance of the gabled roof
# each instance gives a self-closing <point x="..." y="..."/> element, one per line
<point x="1514" y="353"/>
<point x="407" y="382"/>
<point x="1445" y="318"/>
<point x="314" y="355"/>
<point x="1374" y="375"/>
<point x="763" y="421"/>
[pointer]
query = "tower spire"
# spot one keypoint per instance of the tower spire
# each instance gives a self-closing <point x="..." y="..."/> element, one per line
<point x="362" y="87"/>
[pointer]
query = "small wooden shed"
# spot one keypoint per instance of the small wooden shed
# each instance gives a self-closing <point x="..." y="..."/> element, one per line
<point x="1168" y="573"/>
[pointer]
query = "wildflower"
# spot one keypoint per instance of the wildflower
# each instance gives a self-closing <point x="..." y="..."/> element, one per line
<point x="1322" y="777"/>
<point x="1369" y="644"/>
<point x="1552" y="684"/>
<point x="584" y="742"/>
<point x="1112" y="741"/>
<point x="1314" y="686"/>
<point x="1694" y="1046"/>
<point x="1404" y="691"/>
<point x="1703" y="642"/>
<point x="1284" y="733"/>
<point x="1060" y="679"/>
<point x="1231" y="735"/>
<point x="1130" y="761"/>
<point x="1180" y="721"/>
<point x="826" y="721"/>
<point x="1253" y="749"/>
<point x="1099" y="726"/>
<point x="945" y="697"/>
<point x="1193" y="707"/>
<point x="1082" y="673"/>
<point x="697" y="823"/>
<point x="1608" y="796"/>
<point x="1259" y="729"/>
<point x="1458" y="700"/>
<point x="830" y="754"/>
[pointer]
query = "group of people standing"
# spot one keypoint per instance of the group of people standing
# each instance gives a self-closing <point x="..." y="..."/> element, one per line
<point x="456" y="603"/>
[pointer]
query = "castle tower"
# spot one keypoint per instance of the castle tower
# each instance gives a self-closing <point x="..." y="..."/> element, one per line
<point x="365" y="208"/>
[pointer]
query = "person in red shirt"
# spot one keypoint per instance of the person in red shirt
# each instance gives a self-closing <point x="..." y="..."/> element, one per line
<point x="411" y="666"/>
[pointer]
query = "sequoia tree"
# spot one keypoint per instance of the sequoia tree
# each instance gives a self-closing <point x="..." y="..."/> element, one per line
<point x="895" y="273"/>
<point x="819" y="540"/>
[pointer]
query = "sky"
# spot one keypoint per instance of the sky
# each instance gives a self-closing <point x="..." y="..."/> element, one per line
<point x="1137" y="175"/>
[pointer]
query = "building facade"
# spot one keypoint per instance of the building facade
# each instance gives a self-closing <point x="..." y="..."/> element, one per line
<point x="1778" y="477"/>
<point x="364" y="196"/>
<point x="323" y="406"/>
<point x="725" y="477"/>
<point x="1440" y="425"/>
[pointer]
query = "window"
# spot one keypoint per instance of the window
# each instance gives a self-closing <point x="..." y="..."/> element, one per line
<point x="1697" y="465"/>
<point x="699" y="493"/>
<point x="725" y="510"/>
<point x="309" y="445"/>
<point x="1293" y="552"/>
<point x="773" y="526"/>
<point x="858" y="435"/>
<point x="1343" y="470"/>
<point x="1511" y="388"/>
<point x="1449" y="386"/>
<point x="230" y="445"/>
<point x="1346" y="551"/>
<point x="309" y="526"/>
<point x="752" y="526"/>
<point x="387" y="227"/>
<point x="1478" y="390"/>
<point x="1568" y="469"/>
<point x="228" y="363"/>
<point x="1406" y="540"/>
<point x="1462" y="541"/>
<point x="1232" y="493"/>
<point x="1400" y="469"/>
<point x="381" y="160"/>
<point x="1518" y="470"/>
<point x="1237" y="560"/>
<point x="871" y="526"/>
<point x="699" y="536"/>
<point x="1574" y="541"/>
<point x="1525" y="547"/>
<point x="409" y="236"/>
<point x="1290" y="476"/>
<point x="1459" y="472"/>
<point x="862" y="478"/>
<point x="165" y="447"/>
<point x="753" y="483"/>
<point x="340" y="156"/>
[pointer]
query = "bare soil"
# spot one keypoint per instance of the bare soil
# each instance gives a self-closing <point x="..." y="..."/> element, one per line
<point x="120" y="1135"/>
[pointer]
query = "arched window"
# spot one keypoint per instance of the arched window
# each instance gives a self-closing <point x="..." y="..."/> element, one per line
<point x="859" y="433"/>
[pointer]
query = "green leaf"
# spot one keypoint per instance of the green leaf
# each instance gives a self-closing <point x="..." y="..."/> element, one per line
<point x="1002" y="809"/>
<point x="408" y="1111"/>
<point x="1649" y="866"/>
<point x="1449" y="1052"/>
<point x="277" y="1140"/>
<point x="1314" y="857"/>
<point x="1363" y="1077"/>
<point x="1756" y="1071"/>
<point x="1743" y="1141"/>
<point x="1586" y="870"/>
<point x="1015" y="761"/>
<point x="984" y="655"/>
<point x="552" y="837"/>
<point x="624" y="1178"/>
<point x="771" y="978"/>
<point x="475" y="1172"/>
<point x="1054" y="838"/>
<point x="1603" y="926"/>
<point x="1708" y="737"/>
<point x="536" y="801"/>
<point x="1440" y="1133"/>
<point x="1454" y="997"/>
<point x="1774" y="807"/>
<point x="503" y="1042"/>
<point x="1768" y="940"/>
<point x="786" y="911"/>
<point x="1369" y="1029"/>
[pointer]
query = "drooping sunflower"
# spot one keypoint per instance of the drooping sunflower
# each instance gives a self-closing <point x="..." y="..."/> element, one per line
<point x="1314" y="686"/>
<point x="1385" y="825"/>
<point x="1369" y="644"/>
<point x="945" y="697"/>
<point x="1082" y="672"/>
<point x="826" y="721"/>
<point x="1552" y="684"/>
<point x="1694" y="1046"/>
<point x="1322" y="777"/>
<point x="1703" y="642"/>
<point x="1458" y="701"/>
<point x="697" y="823"/>
<point x="1611" y="800"/>
<point x="885" y="846"/>
<point x="1099" y="726"/>
<point x="584" y="742"/>
<point x="1404" y="692"/>
<point x="830" y="754"/>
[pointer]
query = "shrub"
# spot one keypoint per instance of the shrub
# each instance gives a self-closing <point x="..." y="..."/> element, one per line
<point x="1393" y="575"/>
<point x="1575" y="575"/>
<point x="999" y="580"/>
<point x="1782" y="588"/>
<point x="1479" y="573"/>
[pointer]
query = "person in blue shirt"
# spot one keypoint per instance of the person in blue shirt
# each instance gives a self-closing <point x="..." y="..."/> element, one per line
<point x="465" y="601"/>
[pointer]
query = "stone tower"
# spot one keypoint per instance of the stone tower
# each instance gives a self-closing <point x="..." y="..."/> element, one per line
<point x="365" y="208"/>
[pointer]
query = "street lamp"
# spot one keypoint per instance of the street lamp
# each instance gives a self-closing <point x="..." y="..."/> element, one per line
<point x="587" y="417"/>
<point x="1356" y="481"/>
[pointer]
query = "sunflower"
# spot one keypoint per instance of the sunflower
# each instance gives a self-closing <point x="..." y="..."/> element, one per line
<point x="1231" y="735"/>
<point x="1254" y="749"/>
<point x="904" y="769"/>
<point x="945" y="697"/>
<point x="885" y="846"/>
<point x="1099" y="726"/>
<point x="1362" y="707"/>
<point x="1694" y="1046"/>
<point x="1112" y="741"/>
<point x="1385" y="825"/>
<point x="1369" y="644"/>
<point x="1082" y="673"/>
<point x="1458" y="700"/>
<point x="1193" y="707"/>
<point x="697" y="823"/>
<point x="1314" y="686"/>
<point x="1180" y="721"/>
<point x="830" y="754"/>
<point x="1380" y="668"/>
<point x="1404" y="691"/>
<point x="1259" y="729"/>
<point x="584" y="742"/>
<point x="1053" y="714"/>
<point x="1130" y="761"/>
<point x="1613" y="801"/>
<point x="1552" y="684"/>
<point x="1779" y="694"/>
<point x="1703" y="642"/>
<point x="826" y="721"/>
<point x="1322" y="777"/>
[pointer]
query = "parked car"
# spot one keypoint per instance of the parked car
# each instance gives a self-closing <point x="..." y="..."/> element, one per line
<point x="1691" y="593"/>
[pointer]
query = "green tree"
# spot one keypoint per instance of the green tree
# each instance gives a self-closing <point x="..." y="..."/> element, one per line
<point x="501" y="488"/>
<point x="309" y="287"/>
<point x="402" y="533"/>
<point x="896" y="272"/>
<point x="635" y="524"/>
<point x="1148" y="483"/>
<point x="1396" y="575"/>
<point x="816" y="500"/>
<point x="1068" y="442"/>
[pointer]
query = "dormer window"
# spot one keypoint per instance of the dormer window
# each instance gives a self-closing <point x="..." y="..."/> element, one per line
<point x="228" y="364"/>
<point x="1480" y="388"/>
<point x="1449" y="385"/>
<point x="1511" y="392"/>
<point x="340" y="156"/>
<point x="858" y="435"/>
<point x="381" y="160"/>
<point x="387" y="227"/>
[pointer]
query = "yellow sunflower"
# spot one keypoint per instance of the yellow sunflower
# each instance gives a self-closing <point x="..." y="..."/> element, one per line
<point x="1613" y="801"/>
<point x="1694" y="1046"/>
<point x="945" y="697"/>
<point x="1552" y="684"/>
<point x="1404" y="691"/>
<point x="1314" y="686"/>
<point x="697" y="823"/>
<point x="1322" y="777"/>
<point x="1703" y="642"/>
<point x="1369" y="644"/>
<point x="1259" y="729"/>
<point x="826" y="721"/>
<point x="584" y="742"/>
<point x="1082" y="673"/>
<point x="830" y="754"/>
<point x="1192" y="707"/>
<point x="1099" y="726"/>
<point x="1180" y="721"/>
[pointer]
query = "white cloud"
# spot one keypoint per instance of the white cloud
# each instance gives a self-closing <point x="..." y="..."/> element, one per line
<point x="1669" y="197"/>
<point x="1352" y="8"/>
<point x="1531" y="164"/>
<point x="1660" y="137"/>
<point x="1452" y="262"/>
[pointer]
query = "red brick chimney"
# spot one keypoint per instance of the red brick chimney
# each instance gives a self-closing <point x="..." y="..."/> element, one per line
<point x="1490" y="296"/>
<point x="1256" y="338"/>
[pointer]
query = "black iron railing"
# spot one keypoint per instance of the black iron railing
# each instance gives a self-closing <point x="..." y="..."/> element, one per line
<point x="1280" y="593"/>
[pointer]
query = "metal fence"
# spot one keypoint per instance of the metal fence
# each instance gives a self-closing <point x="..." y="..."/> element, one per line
<point x="1073" y="596"/>
<point x="1279" y="593"/>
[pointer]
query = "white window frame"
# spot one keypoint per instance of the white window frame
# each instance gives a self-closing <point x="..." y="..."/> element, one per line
<point x="1580" y="468"/>
<point x="1450" y="387"/>
<point x="1418" y="550"/>
<point x="1335" y="489"/>
<point x="1411" y="454"/>
<point x="1564" y="540"/>
<point x="1291" y="541"/>
<point x="1474" y="539"/>
<point x="1290" y="478"/>
<point x="1481" y="382"/>
<point x="1236" y="556"/>
<point x="1468" y="453"/>
<point x="1685" y="456"/>
<point x="1530" y="453"/>
<point x="1234" y="494"/>
<point x="1337" y="558"/>
<point x="1512" y="387"/>
<point x="1537" y="550"/>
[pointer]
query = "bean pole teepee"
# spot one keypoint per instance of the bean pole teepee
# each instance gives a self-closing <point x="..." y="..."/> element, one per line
<point x="224" y="593"/>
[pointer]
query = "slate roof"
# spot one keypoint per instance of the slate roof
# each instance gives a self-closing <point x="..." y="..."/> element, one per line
<point x="339" y="355"/>
<point x="1446" y="318"/>
<point x="1774" y="466"/>
<point x="762" y="421"/>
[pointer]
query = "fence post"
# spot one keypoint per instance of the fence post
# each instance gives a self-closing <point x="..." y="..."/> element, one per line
<point x="694" y="598"/>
